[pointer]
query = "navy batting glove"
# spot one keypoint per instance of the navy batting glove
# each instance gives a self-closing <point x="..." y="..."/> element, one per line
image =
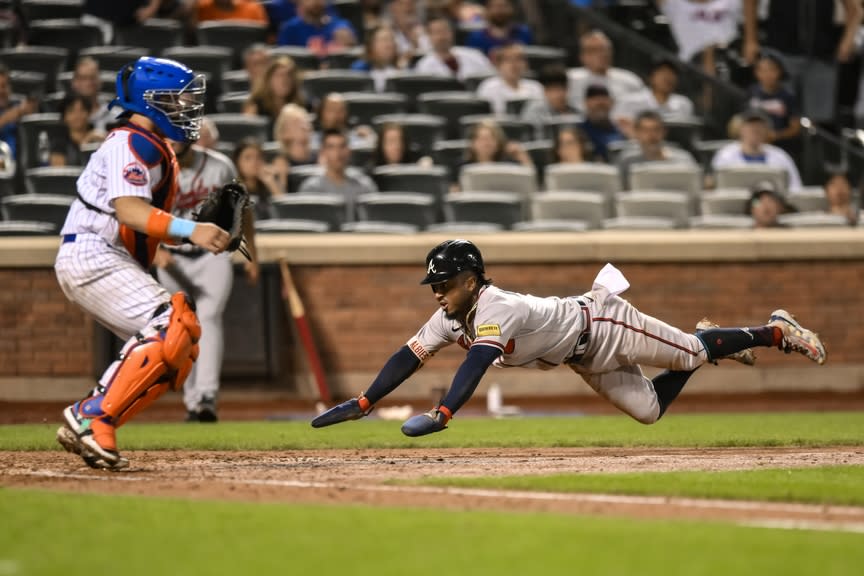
<point x="433" y="421"/>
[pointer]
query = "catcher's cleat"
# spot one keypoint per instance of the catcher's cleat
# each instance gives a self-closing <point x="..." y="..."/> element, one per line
<point x="747" y="357"/>
<point x="348" y="410"/>
<point x="79" y="436"/>
<point x="796" y="338"/>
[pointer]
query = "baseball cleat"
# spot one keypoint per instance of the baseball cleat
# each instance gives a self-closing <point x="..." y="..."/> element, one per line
<point x="747" y="357"/>
<point x="348" y="410"/>
<point x="796" y="338"/>
<point x="77" y="436"/>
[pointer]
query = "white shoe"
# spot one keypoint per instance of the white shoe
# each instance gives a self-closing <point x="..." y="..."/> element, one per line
<point x="747" y="356"/>
<point x="796" y="338"/>
<point x="76" y="436"/>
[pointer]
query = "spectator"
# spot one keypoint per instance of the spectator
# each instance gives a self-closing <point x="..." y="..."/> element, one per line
<point x="752" y="148"/>
<point x="333" y="115"/>
<point x="509" y="84"/>
<point x="650" y="132"/>
<point x="250" y="10"/>
<point x="766" y="205"/>
<point x="338" y="177"/>
<point x="315" y="29"/>
<point x="208" y="134"/>
<point x="804" y="33"/>
<point x="488" y="143"/>
<point x="553" y="78"/>
<point x="595" y="53"/>
<point x="777" y="101"/>
<point x="256" y="58"/>
<point x="411" y="38"/>
<point x="279" y="86"/>
<point x="381" y="59"/>
<point x="263" y="182"/>
<point x="838" y="191"/>
<point x="66" y="150"/>
<point x="660" y="96"/>
<point x="571" y="146"/>
<point x="111" y="14"/>
<point x="372" y="14"/>
<point x="11" y="111"/>
<point x="86" y="83"/>
<point x="702" y="26"/>
<point x="293" y="132"/>
<point x="448" y="60"/>
<point x="392" y="148"/>
<point x="457" y="12"/>
<point x="598" y="125"/>
<point x="501" y="29"/>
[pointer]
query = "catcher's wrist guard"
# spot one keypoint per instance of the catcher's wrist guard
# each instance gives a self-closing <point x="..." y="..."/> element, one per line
<point x="226" y="208"/>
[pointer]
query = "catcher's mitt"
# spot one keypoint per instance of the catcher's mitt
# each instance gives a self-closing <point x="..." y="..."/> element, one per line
<point x="226" y="207"/>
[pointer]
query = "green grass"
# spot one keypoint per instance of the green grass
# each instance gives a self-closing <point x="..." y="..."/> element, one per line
<point x="45" y="533"/>
<point x="687" y="430"/>
<point x="843" y="485"/>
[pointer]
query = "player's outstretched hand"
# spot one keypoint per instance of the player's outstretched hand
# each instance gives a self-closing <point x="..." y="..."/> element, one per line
<point x="210" y="237"/>
<point x="422" y="424"/>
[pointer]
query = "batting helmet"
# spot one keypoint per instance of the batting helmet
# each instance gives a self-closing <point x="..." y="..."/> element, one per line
<point x="166" y="92"/>
<point x="450" y="258"/>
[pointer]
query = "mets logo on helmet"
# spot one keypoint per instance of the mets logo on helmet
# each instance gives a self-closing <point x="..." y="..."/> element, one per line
<point x="135" y="174"/>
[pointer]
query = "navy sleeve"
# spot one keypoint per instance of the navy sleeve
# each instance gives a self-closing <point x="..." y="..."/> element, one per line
<point x="469" y="374"/>
<point x="397" y="369"/>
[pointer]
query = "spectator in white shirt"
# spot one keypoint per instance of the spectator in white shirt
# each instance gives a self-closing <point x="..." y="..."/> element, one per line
<point x="595" y="53"/>
<point x="509" y="84"/>
<point x="448" y="60"/>
<point x="751" y="148"/>
<point x="659" y="96"/>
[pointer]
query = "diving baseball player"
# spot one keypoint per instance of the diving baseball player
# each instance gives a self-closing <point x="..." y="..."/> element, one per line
<point x="599" y="335"/>
<point x="206" y="277"/>
<point x="122" y="212"/>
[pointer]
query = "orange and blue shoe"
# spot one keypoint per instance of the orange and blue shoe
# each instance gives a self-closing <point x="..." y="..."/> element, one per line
<point x="796" y="338"/>
<point x="93" y="437"/>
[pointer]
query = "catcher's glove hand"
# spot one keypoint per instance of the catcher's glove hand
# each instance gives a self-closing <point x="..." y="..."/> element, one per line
<point x="226" y="207"/>
<point x="433" y="421"/>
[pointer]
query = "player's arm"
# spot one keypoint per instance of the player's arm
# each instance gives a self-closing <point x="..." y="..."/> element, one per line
<point x="479" y="359"/>
<point x="138" y="214"/>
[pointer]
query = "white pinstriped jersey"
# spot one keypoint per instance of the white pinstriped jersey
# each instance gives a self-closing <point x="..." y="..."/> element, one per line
<point x="532" y="332"/>
<point x="114" y="170"/>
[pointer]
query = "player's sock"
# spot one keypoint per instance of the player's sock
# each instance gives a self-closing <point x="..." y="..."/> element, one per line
<point x="668" y="385"/>
<point x="721" y="342"/>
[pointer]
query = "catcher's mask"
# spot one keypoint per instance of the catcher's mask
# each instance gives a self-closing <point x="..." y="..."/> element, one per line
<point x="450" y="258"/>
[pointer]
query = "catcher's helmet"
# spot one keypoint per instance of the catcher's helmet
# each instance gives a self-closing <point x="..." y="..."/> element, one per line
<point x="450" y="258"/>
<point x="166" y="92"/>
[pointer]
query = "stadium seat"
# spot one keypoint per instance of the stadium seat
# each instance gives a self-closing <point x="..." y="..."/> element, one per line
<point x="540" y="56"/>
<point x="37" y="207"/>
<point x="45" y="9"/>
<point x="236" y="81"/>
<point x="303" y="58"/>
<point x="234" y="34"/>
<point x="726" y="202"/>
<point x="451" y="154"/>
<point x="639" y="223"/>
<point x="552" y="125"/>
<point x="745" y="176"/>
<point x="299" y="174"/>
<point x="813" y="220"/>
<point x="428" y="180"/>
<point x="500" y="177"/>
<point x="113" y="58"/>
<point x="71" y="34"/>
<point x="364" y="106"/>
<point x="48" y="60"/>
<point x="721" y="222"/>
<point x="27" y="82"/>
<point x="154" y="35"/>
<point x="374" y="227"/>
<point x="234" y="127"/>
<point x="550" y="226"/>
<point x="329" y="208"/>
<point x="214" y="61"/>
<point x="674" y="206"/>
<point x="7" y="184"/>
<point x="26" y="228"/>
<point x="809" y="199"/>
<point x="362" y="155"/>
<point x="8" y="34"/>
<point x="453" y="106"/>
<point x="541" y="155"/>
<point x="418" y="210"/>
<point x="232" y="102"/>
<point x="421" y="130"/>
<point x="56" y="180"/>
<point x="685" y="132"/>
<point x="290" y="226"/>
<point x="586" y="176"/>
<point x="501" y="208"/>
<point x="574" y="206"/>
<point x="29" y="128"/>
<point x="317" y="84"/>
<point x="464" y="228"/>
<point x="675" y="177"/>
<point x="472" y="82"/>
<point x="705" y="151"/>
<point x="412" y="85"/>
<point x="513" y="127"/>
<point x="343" y="59"/>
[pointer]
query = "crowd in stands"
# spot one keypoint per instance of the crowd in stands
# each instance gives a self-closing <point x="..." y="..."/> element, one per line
<point x="299" y="92"/>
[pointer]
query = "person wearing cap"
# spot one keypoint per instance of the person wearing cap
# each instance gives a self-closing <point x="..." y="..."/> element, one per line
<point x="595" y="53"/>
<point x="766" y="205"/>
<point x="752" y="148"/>
<point x="659" y="96"/>
<point x="598" y="124"/>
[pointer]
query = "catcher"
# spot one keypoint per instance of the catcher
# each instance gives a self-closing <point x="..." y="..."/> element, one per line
<point x="599" y="335"/>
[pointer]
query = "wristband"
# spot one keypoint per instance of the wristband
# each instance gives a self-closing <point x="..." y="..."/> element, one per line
<point x="446" y="412"/>
<point x="158" y="224"/>
<point x="181" y="228"/>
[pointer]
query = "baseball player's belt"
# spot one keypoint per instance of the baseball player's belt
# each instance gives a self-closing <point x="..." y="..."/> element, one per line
<point x="584" y="338"/>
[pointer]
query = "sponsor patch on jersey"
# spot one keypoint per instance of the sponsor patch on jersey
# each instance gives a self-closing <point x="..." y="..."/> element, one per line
<point x="135" y="174"/>
<point x="418" y="350"/>
<point x="488" y="330"/>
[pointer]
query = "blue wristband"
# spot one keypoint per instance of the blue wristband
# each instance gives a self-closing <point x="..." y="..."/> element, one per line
<point x="181" y="228"/>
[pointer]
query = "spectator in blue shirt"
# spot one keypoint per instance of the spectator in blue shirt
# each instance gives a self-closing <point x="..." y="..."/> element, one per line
<point x="501" y="28"/>
<point x="777" y="101"/>
<point x="12" y="111"/>
<point x="315" y="29"/>
<point x="598" y="125"/>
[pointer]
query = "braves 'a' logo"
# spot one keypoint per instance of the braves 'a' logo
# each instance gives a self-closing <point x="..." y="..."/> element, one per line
<point x="135" y="174"/>
<point x="431" y="268"/>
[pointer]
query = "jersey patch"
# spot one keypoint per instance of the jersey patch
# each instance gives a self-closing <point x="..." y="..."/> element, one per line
<point x="488" y="330"/>
<point x="135" y="174"/>
<point x="418" y="350"/>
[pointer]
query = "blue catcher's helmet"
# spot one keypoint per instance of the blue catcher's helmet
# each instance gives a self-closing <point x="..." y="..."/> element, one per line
<point x="166" y="92"/>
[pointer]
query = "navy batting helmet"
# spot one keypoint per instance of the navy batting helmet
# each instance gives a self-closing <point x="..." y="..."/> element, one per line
<point x="166" y="92"/>
<point x="450" y="258"/>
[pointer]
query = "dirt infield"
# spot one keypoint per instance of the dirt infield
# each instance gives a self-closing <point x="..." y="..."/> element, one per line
<point x="371" y="477"/>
